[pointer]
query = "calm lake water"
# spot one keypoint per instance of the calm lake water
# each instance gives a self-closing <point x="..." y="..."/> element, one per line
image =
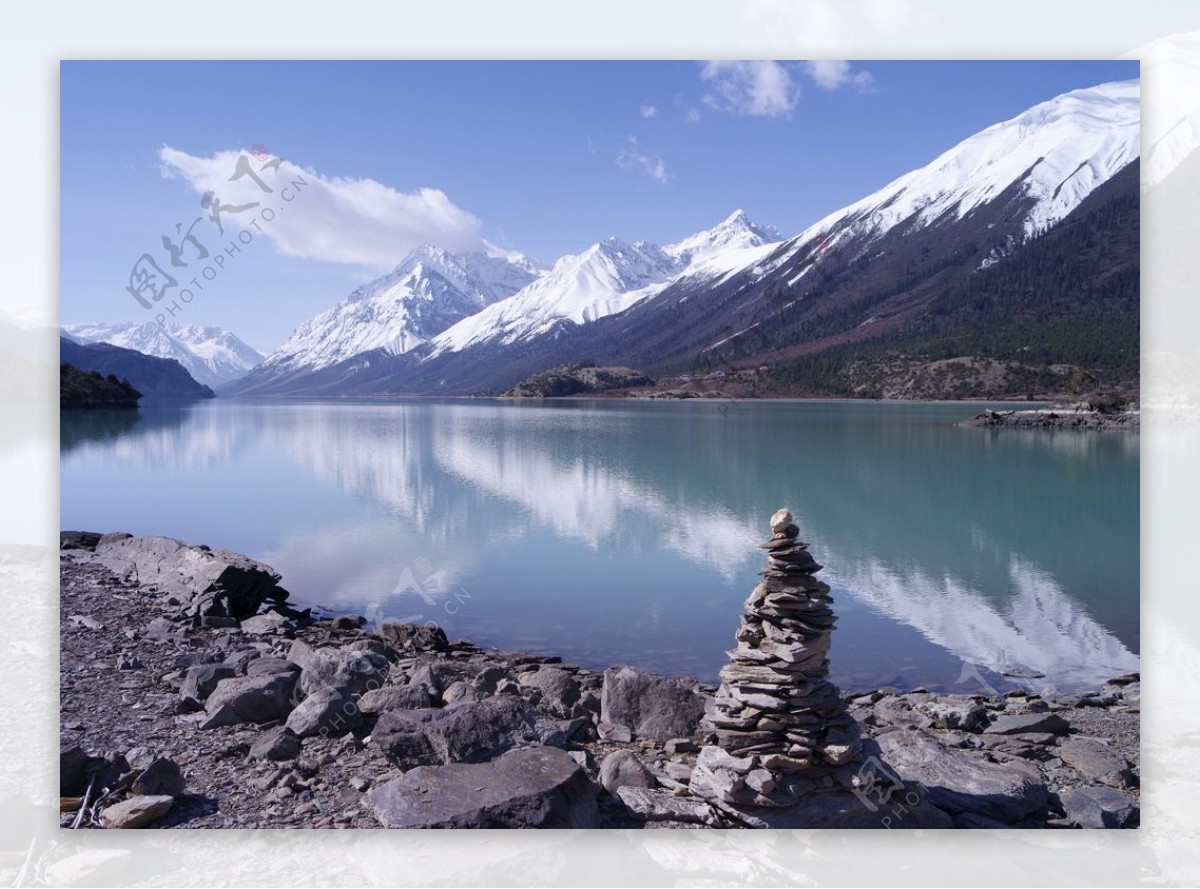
<point x="624" y="532"/>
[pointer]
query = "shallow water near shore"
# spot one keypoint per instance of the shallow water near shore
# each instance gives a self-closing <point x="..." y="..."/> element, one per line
<point x="624" y="532"/>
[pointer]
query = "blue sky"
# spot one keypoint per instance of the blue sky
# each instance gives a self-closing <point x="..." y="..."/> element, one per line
<point x="540" y="157"/>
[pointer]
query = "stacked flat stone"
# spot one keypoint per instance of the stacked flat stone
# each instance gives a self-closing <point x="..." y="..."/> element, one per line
<point x="775" y="704"/>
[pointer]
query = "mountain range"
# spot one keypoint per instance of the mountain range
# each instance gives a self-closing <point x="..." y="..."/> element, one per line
<point x="211" y="355"/>
<point x="1017" y="247"/>
<point x="153" y="377"/>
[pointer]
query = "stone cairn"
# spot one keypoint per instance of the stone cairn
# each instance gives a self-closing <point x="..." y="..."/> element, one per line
<point x="780" y="726"/>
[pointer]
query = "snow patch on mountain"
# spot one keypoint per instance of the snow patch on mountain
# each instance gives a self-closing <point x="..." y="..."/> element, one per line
<point x="211" y="355"/>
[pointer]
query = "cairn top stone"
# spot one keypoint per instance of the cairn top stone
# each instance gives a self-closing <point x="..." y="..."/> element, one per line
<point x="781" y="519"/>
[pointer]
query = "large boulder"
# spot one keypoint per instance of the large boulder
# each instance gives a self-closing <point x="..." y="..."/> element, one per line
<point x="400" y="736"/>
<point x="470" y="732"/>
<point x="1099" y="807"/>
<point x="413" y="637"/>
<point x="650" y="705"/>
<point x="329" y="714"/>
<point x="539" y="787"/>
<point x="483" y="730"/>
<point x="261" y="698"/>
<point x="622" y="768"/>
<point x="200" y="681"/>
<point x="137" y="811"/>
<point x="276" y="744"/>
<point x="1096" y="761"/>
<point x="958" y="781"/>
<point x="395" y="697"/>
<point x="1027" y="723"/>
<point x="211" y="581"/>
<point x="162" y="777"/>
<point x="339" y="670"/>
<point x="560" y="692"/>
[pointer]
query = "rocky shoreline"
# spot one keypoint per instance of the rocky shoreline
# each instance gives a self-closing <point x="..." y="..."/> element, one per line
<point x="1057" y="418"/>
<point x="193" y="696"/>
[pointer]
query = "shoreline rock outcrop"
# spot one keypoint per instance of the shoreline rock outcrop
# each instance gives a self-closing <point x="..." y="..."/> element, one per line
<point x="279" y="720"/>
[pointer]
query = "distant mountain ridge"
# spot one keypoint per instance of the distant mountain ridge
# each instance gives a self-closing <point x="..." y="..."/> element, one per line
<point x="155" y="378"/>
<point x="211" y="355"/>
<point x="905" y="267"/>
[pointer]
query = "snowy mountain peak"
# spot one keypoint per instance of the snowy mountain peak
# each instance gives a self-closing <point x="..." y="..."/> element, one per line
<point x="1057" y="153"/>
<point x="427" y="292"/>
<point x="735" y="232"/>
<point x="211" y="355"/>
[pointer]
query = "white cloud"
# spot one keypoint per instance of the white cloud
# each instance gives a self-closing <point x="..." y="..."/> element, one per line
<point x="632" y="157"/>
<point x="354" y="221"/>
<point x="754" y="89"/>
<point x="831" y="74"/>
<point x="649" y="111"/>
<point x="692" y="115"/>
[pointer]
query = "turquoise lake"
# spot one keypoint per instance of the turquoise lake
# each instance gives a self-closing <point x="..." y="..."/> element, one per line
<point x="614" y="531"/>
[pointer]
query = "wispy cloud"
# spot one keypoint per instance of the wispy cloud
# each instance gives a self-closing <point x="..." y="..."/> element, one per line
<point x="649" y="111"/>
<point x="359" y="222"/>
<point x="632" y="157"/>
<point x="832" y="74"/>
<point x="751" y="89"/>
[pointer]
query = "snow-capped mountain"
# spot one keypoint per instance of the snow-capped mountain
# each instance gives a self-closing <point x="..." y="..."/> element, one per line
<point x="211" y="355"/>
<point x="900" y="265"/>
<point x="1056" y="153"/>
<point x="426" y="293"/>
<point x="607" y="278"/>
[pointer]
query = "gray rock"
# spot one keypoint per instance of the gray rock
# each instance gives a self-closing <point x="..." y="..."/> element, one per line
<point x="461" y="693"/>
<point x="485" y="729"/>
<point x="265" y="624"/>
<point x="276" y="744"/>
<point x="263" y="665"/>
<point x="617" y="734"/>
<point x="400" y="736"/>
<point x="250" y="699"/>
<point x="348" y="622"/>
<point x="140" y="758"/>
<point x="438" y="675"/>
<point x="622" y="768"/>
<point x="300" y="653"/>
<point x="958" y="781"/>
<point x="489" y="678"/>
<point x="1096" y="761"/>
<point x="662" y="805"/>
<point x="1022" y="723"/>
<point x="395" y="697"/>
<point x="231" y="582"/>
<point x="336" y="669"/>
<point x="161" y="778"/>
<point x="954" y="712"/>
<point x="413" y="637"/>
<point x="676" y="746"/>
<point x="560" y="691"/>
<point x="137" y="811"/>
<point x="200" y="681"/>
<point x="329" y="714"/>
<point x="537" y="787"/>
<point x="652" y="707"/>
<point x="1099" y="807"/>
